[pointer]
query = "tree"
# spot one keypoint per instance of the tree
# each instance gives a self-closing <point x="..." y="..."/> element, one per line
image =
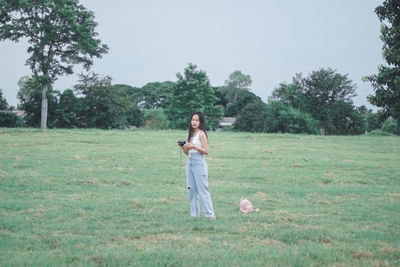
<point x="290" y="94"/>
<point x="61" y="34"/>
<point x="30" y="98"/>
<point x="324" y="89"/>
<point x="243" y="99"/>
<point x="192" y="92"/>
<point x="281" y="117"/>
<point x="7" y="117"/>
<point x="105" y="106"/>
<point x="236" y="83"/>
<point x="155" y="95"/>
<point x="344" y="119"/>
<point x="3" y="101"/>
<point x="387" y="82"/>
<point x="68" y="110"/>
<point x="252" y="118"/>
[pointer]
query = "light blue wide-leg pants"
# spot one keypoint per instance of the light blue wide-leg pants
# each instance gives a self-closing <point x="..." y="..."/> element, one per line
<point x="197" y="185"/>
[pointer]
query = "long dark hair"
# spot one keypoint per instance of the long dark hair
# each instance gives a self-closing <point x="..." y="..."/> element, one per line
<point x="202" y="124"/>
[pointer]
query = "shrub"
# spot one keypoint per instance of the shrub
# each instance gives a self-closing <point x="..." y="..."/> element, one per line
<point x="379" y="132"/>
<point x="390" y="125"/>
<point x="252" y="118"/>
<point x="10" y="119"/>
<point x="284" y="118"/>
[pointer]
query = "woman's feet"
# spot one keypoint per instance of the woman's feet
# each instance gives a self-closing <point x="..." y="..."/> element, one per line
<point x="212" y="218"/>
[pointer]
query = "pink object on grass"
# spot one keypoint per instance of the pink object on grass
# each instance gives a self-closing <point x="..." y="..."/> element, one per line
<point x="246" y="206"/>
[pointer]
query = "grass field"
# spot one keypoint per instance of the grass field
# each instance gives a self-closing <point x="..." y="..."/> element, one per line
<point x="93" y="197"/>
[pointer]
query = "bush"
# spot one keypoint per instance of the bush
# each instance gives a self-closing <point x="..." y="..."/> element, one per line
<point x="390" y="125"/>
<point x="252" y="118"/>
<point x="295" y="121"/>
<point x="379" y="132"/>
<point x="156" y="119"/>
<point x="10" y="119"/>
<point x="286" y="119"/>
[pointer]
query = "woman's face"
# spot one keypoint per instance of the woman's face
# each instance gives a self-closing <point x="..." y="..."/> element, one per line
<point x="195" y="121"/>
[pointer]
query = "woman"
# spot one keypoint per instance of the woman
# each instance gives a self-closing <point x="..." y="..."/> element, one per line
<point x="196" y="167"/>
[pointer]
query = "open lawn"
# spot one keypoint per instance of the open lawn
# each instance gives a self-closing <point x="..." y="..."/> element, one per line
<point x="94" y="197"/>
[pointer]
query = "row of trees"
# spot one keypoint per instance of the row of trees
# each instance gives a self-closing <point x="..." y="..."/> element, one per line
<point x="62" y="34"/>
<point x="321" y="102"/>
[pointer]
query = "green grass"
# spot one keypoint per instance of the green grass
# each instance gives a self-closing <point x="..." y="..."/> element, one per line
<point x="93" y="197"/>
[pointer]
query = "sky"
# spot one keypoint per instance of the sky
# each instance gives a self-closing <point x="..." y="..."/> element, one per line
<point x="270" y="40"/>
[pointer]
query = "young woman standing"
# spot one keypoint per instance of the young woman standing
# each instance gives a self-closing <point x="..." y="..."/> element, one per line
<point x="196" y="167"/>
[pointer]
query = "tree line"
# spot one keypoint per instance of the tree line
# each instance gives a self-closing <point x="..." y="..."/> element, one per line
<point x="62" y="34"/>
<point x="320" y="103"/>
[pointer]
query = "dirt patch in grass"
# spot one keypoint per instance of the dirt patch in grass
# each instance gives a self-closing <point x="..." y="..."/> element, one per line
<point x="201" y="240"/>
<point x="362" y="254"/>
<point x="160" y="237"/>
<point x="166" y="200"/>
<point x="273" y="242"/>
<point x="260" y="196"/>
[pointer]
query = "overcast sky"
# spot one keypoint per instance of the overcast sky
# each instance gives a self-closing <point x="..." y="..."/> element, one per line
<point x="270" y="40"/>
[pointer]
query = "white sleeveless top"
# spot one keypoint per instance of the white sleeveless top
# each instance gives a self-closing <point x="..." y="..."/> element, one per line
<point x="196" y="141"/>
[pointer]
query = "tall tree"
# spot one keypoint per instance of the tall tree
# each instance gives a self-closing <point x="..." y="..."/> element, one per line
<point x="324" y="89"/>
<point x="61" y="33"/>
<point x="252" y="118"/>
<point x="155" y="95"/>
<point x="104" y="105"/>
<point x="387" y="82"/>
<point x="192" y="92"/>
<point x="236" y="83"/>
<point x="290" y="94"/>
<point x="244" y="98"/>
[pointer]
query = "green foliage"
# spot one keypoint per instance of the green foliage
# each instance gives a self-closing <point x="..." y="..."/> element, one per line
<point x="371" y="120"/>
<point x="344" y="119"/>
<point x="243" y="98"/>
<point x="252" y="118"/>
<point x="192" y="92"/>
<point x="295" y="121"/>
<point x="30" y="98"/>
<point x="105" y="106"/>
<point x="236" y="83"/>
<point x="390" y="125"/>
<point x="10" y="119"/>
<point x="275" y="117"/>
<point x="3" y="101"/>
<point x="379" y="132"/>
<point x="325" y="91"/>
<point x="291" y="94"/>
<point x="387" y="82"/>
<point x="61" y="34"/>
<point x="282" y="118"/>
<point x="68" y="110"/>
<point x="221" y="99"/>
<point x="7" y="117"/>
<point x="156" y="119"/>
<point x="155" y="95"/>
<point x="326" y="96"/>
